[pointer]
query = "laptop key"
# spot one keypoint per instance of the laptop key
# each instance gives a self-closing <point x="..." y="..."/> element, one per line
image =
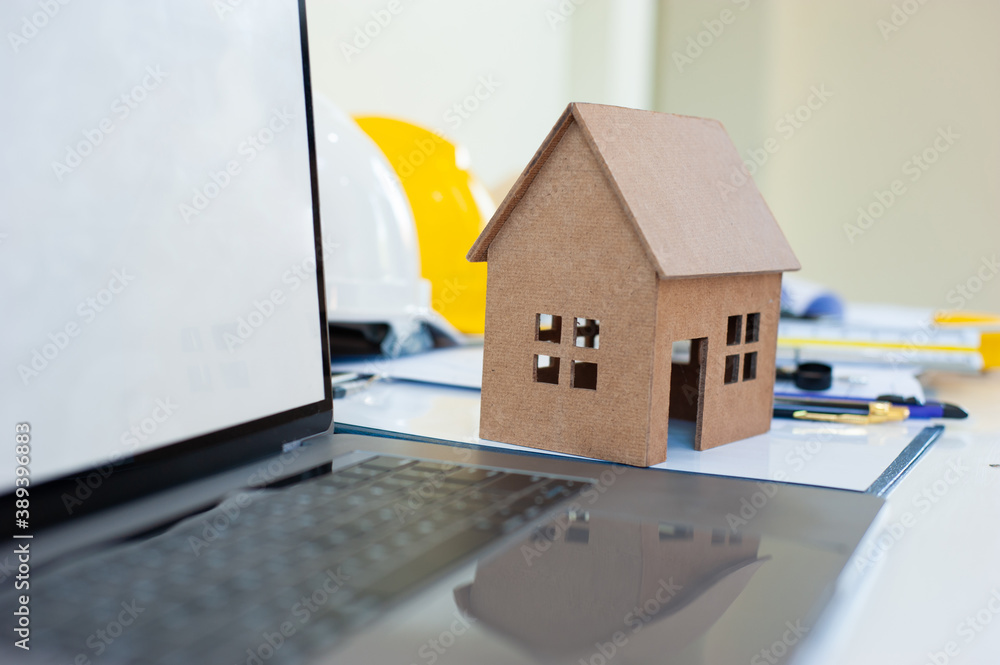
<point x="437" y="558"/>
<point x="436" y="467"/>
<point x="361" y="472"/>
<point x="509" y="483"/>
<point x="387" y="463"/>
<point x="470" y="476"/>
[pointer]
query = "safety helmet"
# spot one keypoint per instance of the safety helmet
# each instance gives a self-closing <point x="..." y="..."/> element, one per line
<point x="377" y="302"/>
<point x="450" y="207"/>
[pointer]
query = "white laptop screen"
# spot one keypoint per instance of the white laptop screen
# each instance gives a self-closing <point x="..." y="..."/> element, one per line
<point x="157" y="245"/>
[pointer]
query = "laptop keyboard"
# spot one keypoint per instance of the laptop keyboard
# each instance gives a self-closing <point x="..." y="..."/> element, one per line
<point x="276" y="575"/>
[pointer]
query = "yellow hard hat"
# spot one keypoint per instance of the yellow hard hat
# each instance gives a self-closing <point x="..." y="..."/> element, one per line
<point x="450" y="207"/>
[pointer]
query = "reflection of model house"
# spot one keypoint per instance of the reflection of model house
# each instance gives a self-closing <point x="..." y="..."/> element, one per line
<point x="615" y="242"/>
<point x="659" y="584"/>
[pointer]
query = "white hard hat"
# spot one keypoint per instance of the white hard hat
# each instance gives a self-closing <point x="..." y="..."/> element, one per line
<point x="376" y="299"/>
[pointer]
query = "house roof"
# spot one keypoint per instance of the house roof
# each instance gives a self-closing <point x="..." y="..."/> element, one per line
<point x="674" y="176"/>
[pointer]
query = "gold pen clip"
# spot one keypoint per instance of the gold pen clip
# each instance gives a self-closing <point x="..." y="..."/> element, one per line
<point x="878" y="412"/>
<point x="889" y="411"/>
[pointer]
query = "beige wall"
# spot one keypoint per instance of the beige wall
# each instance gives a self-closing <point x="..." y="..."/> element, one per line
<point x="432" y="55"/>
<point x="890" y="97"/>
<point x="540" y="54"/>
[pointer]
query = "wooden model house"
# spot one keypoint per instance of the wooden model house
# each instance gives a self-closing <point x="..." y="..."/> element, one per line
<point x="627" y="233"/>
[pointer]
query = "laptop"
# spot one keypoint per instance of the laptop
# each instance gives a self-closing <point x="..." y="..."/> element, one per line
<point x="174" y="484"/>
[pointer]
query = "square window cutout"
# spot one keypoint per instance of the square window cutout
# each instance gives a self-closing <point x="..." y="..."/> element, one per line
<point x="548" y="328"/>
<point x="735" y="329"/>
<point x="750" y="366"/>
<point x="753" y="327"/>
<point x="584" y="375"/>
<point x="732" y="369"/>
<point x="675" y="532"/>
<point x="587" y="333"/>
<point x="546" y="369"/>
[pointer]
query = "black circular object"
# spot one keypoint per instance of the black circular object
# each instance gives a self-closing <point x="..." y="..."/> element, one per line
<point x="814" y="376"/>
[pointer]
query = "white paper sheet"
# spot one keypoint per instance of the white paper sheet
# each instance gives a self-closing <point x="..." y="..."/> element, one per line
<point x="863" y="382"/>
<point x="827" y="455"/>
<point x="459" y="366"/>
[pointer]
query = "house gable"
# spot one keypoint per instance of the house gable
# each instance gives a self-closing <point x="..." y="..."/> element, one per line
<point x="568" y="250"/>
<point x="672" y="175"/>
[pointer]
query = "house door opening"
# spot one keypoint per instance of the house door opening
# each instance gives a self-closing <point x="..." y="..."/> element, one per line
<point x="687" y="379"/>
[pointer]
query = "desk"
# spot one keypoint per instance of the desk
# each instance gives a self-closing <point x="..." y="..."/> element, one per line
<point x="945" y="565"/>
<point x="936" y="562"/>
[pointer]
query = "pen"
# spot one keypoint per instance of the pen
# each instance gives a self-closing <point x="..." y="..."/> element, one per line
<point x="917" y="410"/>
<point x="842" y="417"/>
<point x="946" y="410"/>
<point x="350" y="383"/>
<point x="859" y="412"/>
<point x="958" y="317"/>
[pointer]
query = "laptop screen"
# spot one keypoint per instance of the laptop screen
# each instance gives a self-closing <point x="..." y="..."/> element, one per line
<point x="158" y="254"/>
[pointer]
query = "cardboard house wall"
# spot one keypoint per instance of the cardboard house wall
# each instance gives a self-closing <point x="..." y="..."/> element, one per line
<point x="614" y="243"/>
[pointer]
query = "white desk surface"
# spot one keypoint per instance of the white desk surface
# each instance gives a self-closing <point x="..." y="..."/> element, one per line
<point x="932" y="593"/>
